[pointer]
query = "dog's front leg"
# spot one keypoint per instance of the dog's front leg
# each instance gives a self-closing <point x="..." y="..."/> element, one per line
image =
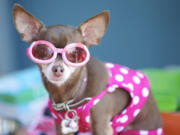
<point x="100" y="124"/>
<point x="103" y="112"/>
<point x="59" y="131"/>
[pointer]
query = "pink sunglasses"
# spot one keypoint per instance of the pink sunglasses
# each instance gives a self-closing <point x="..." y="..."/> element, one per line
<point x="44" y="52"/>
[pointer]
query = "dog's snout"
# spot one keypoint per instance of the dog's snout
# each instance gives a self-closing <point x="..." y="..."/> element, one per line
<point x="57" y="70"/>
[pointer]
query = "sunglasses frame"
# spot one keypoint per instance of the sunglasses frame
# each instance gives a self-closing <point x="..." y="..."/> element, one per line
<point x="56" y="51"/>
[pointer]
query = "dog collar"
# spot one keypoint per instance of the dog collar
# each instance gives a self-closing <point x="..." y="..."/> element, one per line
<point x="68" y="104"/>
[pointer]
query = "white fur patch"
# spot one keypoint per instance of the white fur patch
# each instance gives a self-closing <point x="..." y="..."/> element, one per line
<point x="47" y="70"/>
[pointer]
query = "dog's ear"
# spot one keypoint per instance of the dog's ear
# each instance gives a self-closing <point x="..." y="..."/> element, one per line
<point x="26" y="24"/>
<point x="94" y="28"/>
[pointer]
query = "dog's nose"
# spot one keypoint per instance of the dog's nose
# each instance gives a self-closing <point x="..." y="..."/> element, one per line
<point x="57" y="70"/>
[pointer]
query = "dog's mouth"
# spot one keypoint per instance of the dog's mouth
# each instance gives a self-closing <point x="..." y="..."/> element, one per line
<point x="56" y="78"/>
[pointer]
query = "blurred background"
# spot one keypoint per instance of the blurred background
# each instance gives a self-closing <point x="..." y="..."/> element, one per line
<point x="140" y="33"/>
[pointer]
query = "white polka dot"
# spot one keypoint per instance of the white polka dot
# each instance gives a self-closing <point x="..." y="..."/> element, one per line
<point x="111" y="89"/>
<point x="136" y="112"/>
<point x="129" y="85"/>
<point x="143" y="132"/>
<point x="109" y="65"/>
<point x="136" y="80"/>
<point x="131" y="94"/>
<point x="84" y="107"/>
<point x="124" y="111"/>
<point x="145" y="92"/>
<point x="54" y="116"/>
<point x="135" y="100"/>
<point x="122" y="119"/>
<point x="110" y="123"/>
<point x="124" y="71"/>
<point x="159" y="131"/>
<point x="119" y="129"/>
<point x="87" y="119"/>
<point x="115" y="86"/>
<point x="119" y="78"/>
<point x="140" y="74"/>
<point x="96" y="101"/>
<point x="110" y="74"/>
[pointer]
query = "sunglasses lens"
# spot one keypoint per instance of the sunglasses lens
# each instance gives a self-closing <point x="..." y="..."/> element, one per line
<point x="76" y="54"/>
<point x="42" y="52"/>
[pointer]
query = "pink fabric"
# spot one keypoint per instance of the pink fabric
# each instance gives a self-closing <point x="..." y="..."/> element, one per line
<point x="135" y="82"/>
<point x="158" y="131"/>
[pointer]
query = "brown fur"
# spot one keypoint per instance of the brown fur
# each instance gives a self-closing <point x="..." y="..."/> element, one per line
<point x="111" y="104"/>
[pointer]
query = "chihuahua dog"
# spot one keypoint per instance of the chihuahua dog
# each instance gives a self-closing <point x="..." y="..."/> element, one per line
<point x="86" y="94"/>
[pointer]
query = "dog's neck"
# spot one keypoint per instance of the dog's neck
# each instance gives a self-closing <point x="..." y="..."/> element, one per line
<point x="82" y="86"/>
<point x="87" y="82"/>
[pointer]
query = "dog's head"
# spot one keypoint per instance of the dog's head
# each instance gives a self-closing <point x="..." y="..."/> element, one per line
<point x="31" y="29"/>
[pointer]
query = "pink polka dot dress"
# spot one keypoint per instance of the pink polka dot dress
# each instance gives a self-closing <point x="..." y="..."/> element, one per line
<point x="137" y="85"/>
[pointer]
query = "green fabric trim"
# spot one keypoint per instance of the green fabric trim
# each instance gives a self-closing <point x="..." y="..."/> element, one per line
<point x="165" y="85"/>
